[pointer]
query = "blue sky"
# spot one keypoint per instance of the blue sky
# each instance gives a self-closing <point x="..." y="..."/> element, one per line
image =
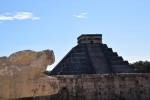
<point x="56" y="24"/>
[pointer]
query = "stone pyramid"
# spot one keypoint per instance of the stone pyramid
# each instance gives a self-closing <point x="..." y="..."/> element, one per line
<point x="91" y="56"/>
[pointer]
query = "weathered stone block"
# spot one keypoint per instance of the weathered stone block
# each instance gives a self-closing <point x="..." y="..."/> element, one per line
<point x="21" y="75"/>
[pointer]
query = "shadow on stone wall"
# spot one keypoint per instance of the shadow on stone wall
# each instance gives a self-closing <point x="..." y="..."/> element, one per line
<point x="51" y="97"/>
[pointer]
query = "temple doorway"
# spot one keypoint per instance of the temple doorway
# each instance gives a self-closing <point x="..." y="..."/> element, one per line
<point x="64" y="94"/>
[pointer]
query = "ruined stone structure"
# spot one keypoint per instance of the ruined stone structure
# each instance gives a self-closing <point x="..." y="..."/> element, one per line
<point x="21" y="75"/>
<point x="92" y="71"/>
<point x="91" y="56"/>
<point x="133" y="86"/>
<point x="104" y="87"/>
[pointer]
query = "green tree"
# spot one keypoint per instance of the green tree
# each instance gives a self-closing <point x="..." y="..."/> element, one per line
<point x="142" y="66"/>
<point x="46" y="72"/>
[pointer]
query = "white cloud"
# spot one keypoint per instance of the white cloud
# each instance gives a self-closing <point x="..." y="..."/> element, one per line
<point x="6" y="18"/>
<point x="81" y="15"/>
<point x="18" y="16"/>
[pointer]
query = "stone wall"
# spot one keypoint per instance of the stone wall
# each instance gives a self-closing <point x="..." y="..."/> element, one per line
<point x="102" y="87"/>
<point x="90" y="38"/>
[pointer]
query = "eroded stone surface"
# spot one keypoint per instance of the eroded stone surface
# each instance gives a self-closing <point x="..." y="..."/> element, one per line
<point x="135" y="86"/>
<point x="21" y="75"/>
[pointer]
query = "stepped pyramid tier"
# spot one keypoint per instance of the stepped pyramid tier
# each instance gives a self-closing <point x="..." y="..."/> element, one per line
<point x="91" y="56"/>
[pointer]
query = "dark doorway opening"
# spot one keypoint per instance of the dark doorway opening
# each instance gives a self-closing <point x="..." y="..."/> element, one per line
<point x="64" y="94"/>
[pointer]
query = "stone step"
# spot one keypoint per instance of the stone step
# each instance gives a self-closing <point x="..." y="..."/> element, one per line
<point x="114" y="54"/>
<point x="107" y="50"/>
<point x="115" y="58"/>
<point x="122" y="69"/>
<point x="119" y="62"/>
<point x="71" y="68"/>
<point x="73" y="64"/>
<point x="76" y="72"/>
<point x="104" y="46"/>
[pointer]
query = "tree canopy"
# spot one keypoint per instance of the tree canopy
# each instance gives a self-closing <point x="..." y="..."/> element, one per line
<point x="142" y="66"/>
<point x="46" y="72"/>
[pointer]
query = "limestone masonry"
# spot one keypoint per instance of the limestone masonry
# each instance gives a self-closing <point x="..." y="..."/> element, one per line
<point x="21" y="75"/>
<point x="104" y="87"/>
<point x="92" y="71"/>
<point x="91" y="56"/>
<point x="133" y="86"/>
